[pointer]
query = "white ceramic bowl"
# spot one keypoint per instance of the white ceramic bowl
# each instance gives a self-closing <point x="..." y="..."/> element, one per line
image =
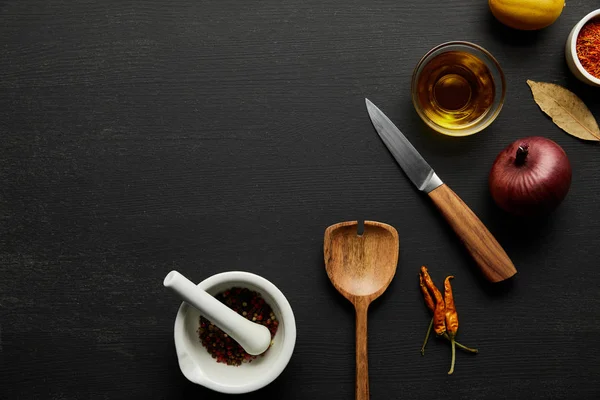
<point x="571" y="52"/>
<point x="199" y="367"/>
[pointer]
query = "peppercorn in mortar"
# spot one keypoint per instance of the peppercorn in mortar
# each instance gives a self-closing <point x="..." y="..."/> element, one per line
<point x="248" y="304"/>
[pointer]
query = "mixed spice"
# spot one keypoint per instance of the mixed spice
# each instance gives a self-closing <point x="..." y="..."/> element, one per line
<point x="445" y="317"/>
<point x="250" y="305"/>
<point x="588" y="47"/>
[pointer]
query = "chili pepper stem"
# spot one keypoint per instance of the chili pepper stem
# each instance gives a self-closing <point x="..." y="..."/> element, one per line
<point x="427" y="337"/>
<point x="459" y="345"/>
<point x="465" y="348"/>
<point x="453" y="343"/>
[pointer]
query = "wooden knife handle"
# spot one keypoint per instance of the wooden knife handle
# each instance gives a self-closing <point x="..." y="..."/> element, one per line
<point x="484" y="248"/>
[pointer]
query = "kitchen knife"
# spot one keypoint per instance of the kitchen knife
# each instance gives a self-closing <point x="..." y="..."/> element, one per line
<point x="481" y="244"/>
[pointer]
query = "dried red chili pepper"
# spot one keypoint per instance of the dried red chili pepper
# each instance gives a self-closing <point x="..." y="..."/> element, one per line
<point x="439" y="317"/>
<point x="451" y="314"/>
<point x="428" y="299"/>
<point x="430" y="304"/>
<point x="451" y="318"/>
<point x="447" y="317"/>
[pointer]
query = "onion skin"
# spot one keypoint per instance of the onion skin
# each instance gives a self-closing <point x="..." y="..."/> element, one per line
<point x="534" y="182"/>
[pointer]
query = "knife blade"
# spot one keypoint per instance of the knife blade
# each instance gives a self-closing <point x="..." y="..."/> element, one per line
<point x="489" y="256"/>
<point x="415" y="167"/>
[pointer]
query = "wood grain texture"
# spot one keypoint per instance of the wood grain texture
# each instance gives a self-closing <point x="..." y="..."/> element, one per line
<point x="362" y="359"/>
<point x="141" y="136"/>
<point x="361" y="261"/>
<point x="489" y="255"/>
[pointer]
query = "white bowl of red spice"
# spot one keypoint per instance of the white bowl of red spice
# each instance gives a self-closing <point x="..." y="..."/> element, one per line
<point x="221" y="370"/>
<point x="582" y="49"/>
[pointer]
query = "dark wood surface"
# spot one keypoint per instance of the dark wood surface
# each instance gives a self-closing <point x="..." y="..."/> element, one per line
<point x="138" y="137"/>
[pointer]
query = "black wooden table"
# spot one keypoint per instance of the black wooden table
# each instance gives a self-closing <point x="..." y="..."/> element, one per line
<point x="138" y="137"/>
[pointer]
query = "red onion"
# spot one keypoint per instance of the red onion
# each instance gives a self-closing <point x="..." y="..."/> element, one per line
<point x="530" y="177"/>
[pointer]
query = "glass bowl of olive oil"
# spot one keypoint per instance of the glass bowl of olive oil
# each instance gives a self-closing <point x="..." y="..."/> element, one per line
<point x="458" y="88"/>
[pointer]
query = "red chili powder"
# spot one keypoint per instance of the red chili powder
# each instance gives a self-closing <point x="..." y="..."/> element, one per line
<point x="588" y="47"/>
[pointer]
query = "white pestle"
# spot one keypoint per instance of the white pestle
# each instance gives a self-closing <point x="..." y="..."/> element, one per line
<point x="253" y="337"/>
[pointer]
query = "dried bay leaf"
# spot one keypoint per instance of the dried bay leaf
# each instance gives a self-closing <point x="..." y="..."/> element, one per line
<point x="567" y="110"/>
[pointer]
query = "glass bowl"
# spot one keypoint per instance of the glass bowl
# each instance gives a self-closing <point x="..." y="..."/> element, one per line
<point x="494" y="101"/>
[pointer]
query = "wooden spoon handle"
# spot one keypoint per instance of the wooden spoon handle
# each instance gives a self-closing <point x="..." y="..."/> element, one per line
<point x="484" y="248"/>
<point x="362" y="361"/>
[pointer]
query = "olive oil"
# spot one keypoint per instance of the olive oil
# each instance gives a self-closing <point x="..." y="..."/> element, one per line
<point x="455" y="90"/>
